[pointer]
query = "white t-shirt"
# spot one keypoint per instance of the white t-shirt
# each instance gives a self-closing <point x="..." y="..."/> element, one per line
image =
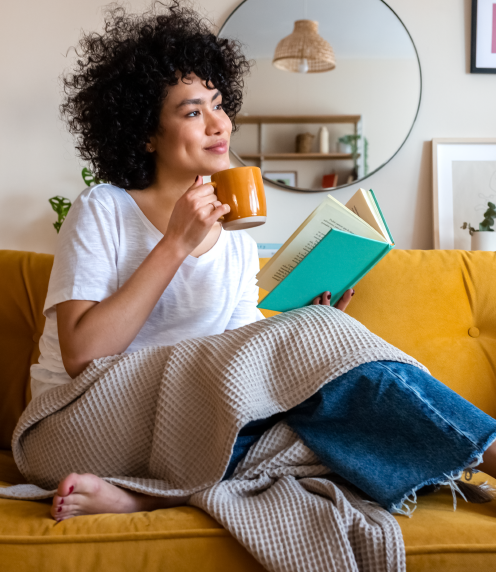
<point x="104" y="239"/>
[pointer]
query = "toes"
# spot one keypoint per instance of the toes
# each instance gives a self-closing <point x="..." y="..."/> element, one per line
<point x="64" y="511"/>
<point x="68" y="485"/>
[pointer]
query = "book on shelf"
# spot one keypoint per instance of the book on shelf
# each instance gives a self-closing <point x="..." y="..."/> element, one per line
<point x="332" y="250"/>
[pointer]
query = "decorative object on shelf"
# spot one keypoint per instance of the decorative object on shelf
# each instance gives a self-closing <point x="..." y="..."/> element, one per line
<point x="304" y="142"/>
<point x="464" y="181"/>
<point x="329" y="181"/>
<point x="344" y="147"/>
<point x="324" y="140"/>
<point x="482" y="239"/>
<point x="283" y="178"/>
<point x="352" y="142"/>
<point x="304" y="51"/>
<point x="61" y="206"/>
<point x="349" y="144"/>
<point x="483" y="41"/>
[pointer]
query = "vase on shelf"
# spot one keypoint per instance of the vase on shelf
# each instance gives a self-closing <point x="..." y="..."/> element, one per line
<point x="323" y="140"/>
<point x="345" y="148"/>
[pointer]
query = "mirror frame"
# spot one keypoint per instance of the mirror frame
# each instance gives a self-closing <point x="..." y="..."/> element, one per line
<point x="330" y="189"/>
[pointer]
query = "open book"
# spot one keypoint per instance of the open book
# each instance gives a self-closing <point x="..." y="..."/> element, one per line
<point x="331" y="250"/>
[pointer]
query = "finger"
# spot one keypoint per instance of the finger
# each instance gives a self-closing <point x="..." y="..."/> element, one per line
<point x="326" y="298"/>
<point x="207" y="200"/>
<point x="198" y="189"/>
<point x="209" y="208"/>
<point x="218" y="212"/>
<point x="345" y="300"/>
<point x="316" y="301"/>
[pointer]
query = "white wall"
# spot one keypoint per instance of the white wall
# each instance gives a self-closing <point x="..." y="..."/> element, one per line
<point x="37" y="160"/>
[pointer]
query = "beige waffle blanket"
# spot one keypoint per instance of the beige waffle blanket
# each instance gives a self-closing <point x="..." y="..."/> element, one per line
<point x="164" y="420"/>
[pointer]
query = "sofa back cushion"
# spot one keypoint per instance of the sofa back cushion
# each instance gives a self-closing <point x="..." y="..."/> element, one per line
<point x="23" y="288"/>
<point x="438" y="306"/>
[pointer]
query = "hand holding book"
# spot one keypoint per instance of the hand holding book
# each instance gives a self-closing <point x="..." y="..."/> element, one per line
<point x="342" y="304"/>
<point x="332" y="249"/>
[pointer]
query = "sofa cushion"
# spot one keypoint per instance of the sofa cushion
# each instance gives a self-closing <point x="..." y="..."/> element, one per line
<point x="185" y="539"/>
<point x="179" y="539"/>
<point x="22" y="297"/>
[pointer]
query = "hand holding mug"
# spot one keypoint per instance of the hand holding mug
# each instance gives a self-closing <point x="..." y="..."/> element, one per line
<point x="194" y="215"/>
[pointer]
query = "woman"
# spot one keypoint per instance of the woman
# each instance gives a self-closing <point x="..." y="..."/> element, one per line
<point x="143" y="260"/>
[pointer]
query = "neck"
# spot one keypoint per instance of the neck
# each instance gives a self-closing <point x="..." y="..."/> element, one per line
<point x="168" y="187"/>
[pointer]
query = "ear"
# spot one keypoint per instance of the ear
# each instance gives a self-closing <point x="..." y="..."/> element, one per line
<point x="151" y="145"/>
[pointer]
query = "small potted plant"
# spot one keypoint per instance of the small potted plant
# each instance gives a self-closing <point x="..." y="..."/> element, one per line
<point x="349" y="144"/>
<point x="485" y="237"/>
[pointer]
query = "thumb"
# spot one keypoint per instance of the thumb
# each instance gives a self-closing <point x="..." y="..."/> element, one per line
<point x="198" y="182"/>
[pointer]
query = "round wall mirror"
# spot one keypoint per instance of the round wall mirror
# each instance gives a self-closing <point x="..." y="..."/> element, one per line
<point x="333" y="92"/>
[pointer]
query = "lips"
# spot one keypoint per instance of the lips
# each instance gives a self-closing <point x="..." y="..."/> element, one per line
<point x="219" y="147"/>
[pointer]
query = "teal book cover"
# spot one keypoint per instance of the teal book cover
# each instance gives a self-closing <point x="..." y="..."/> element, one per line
<point x="338" y="262"/>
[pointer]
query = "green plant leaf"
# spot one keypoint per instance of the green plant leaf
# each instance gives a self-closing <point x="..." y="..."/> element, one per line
<point x="61" y="206"/>
<point x="88" y="177"/>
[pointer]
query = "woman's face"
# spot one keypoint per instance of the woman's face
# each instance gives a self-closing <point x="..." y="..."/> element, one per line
<point x="194" y="133"/>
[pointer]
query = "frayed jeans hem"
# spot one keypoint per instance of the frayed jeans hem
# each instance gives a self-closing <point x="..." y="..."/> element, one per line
<point x="408" y="503"/>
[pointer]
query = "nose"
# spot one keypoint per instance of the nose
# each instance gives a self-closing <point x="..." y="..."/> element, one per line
<point x="215" y="123"/>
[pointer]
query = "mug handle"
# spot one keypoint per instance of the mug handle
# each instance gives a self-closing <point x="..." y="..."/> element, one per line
<point x="214" y="185"/>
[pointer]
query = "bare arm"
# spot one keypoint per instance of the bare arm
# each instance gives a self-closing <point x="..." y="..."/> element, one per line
<point x="89" y="330"/>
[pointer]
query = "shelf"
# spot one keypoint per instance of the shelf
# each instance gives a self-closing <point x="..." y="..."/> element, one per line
<point x="297" y="156"/>
<point x="257" y="119"/>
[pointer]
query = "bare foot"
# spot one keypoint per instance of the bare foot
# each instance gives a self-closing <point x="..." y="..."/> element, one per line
<point x="88" y="494"/>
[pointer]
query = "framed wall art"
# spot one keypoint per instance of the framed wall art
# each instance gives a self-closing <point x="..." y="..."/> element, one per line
<point x="464" y="180"/>
<point x="483" y="43"/>
<point x="286" y="178"/>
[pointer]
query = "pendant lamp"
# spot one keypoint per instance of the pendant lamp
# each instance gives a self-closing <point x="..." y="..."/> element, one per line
<point x="304" y="51"/>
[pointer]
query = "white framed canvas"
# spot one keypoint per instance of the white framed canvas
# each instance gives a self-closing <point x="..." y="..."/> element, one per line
<point x="464" y="180"/>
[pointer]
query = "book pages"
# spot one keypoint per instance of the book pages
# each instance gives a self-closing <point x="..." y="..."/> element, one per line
<point x="363" y="206"/>
<point x="331" y="214"/>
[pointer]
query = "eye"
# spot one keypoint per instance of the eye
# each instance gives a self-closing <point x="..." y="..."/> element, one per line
<point x="190" y="114"/>
<point x="219" y="105"/>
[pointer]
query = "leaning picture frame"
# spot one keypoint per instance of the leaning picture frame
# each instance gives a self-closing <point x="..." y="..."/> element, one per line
<point x="289" y="178"/>
<point x="483" y="37"/>
<point x="464" y="180"/>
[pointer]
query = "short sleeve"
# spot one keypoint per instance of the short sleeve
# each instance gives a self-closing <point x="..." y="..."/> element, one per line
<point x="85" y="264"/>
<point x="246" y="311"/>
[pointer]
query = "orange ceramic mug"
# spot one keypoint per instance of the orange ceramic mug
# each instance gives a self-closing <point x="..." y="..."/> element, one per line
<point x="242" y="189"/>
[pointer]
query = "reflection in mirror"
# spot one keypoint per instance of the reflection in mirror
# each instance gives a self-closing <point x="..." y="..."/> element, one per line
<point x="312" y="129"/>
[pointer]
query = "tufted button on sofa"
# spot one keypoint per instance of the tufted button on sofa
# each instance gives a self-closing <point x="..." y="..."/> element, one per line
<point x="438" y="306"/>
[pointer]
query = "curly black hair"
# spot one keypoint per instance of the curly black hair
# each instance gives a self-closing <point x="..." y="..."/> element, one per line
<point x="114" y="96"/>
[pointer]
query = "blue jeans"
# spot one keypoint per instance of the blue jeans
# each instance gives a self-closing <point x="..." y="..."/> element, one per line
<point x="388" y="428"/>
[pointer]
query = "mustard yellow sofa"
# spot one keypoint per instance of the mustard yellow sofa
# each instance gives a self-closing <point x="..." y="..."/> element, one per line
<point x="439" y="306"/>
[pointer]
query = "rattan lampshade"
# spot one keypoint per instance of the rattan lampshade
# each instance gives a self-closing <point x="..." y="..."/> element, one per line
<point x="304" y="43"/>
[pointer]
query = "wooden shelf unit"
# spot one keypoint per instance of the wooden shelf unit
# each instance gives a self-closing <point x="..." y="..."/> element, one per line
<point x="263" y="120"/>
<point x="296" y="156"/>
<point x="260" y="119"/>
